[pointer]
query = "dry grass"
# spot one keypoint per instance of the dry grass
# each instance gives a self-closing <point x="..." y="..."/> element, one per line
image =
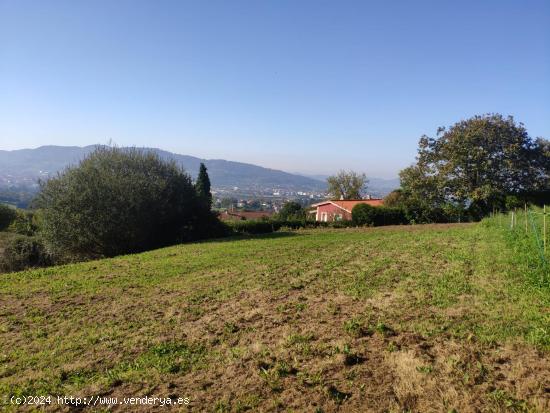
<point x="424" y="318"/>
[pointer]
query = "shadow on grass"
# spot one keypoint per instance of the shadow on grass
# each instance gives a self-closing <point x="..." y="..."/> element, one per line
<point x="231" y="238"/>
<point x="241" y="237"/>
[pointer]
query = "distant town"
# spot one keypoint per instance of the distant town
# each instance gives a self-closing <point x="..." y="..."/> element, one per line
<point x="19" y="190"/>
<point x="235" y="185"/>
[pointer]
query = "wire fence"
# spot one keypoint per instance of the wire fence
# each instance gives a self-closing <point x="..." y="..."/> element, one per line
<point x="528" y="230"/>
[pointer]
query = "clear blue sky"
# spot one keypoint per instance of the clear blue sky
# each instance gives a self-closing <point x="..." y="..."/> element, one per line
<point x="310" y="86"/>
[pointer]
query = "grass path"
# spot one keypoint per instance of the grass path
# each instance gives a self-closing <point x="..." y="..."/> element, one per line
<point x="422" y="318"/>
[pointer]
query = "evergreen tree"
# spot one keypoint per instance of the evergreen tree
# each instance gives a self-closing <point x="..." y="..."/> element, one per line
<point x="118" y="201"/>
<point x="202" y="186"/>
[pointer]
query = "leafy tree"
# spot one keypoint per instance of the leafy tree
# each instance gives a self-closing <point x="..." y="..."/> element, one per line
<point x="291" y="210"/>
<point x="395" y="198"/>
<point x="7" y="216"/>
<point x="347" y="185"/>
<point x="118" y="201"/>
<point x="364" y="214"/>
<point x="475" y="164"/>
<point x="202" y="186"/>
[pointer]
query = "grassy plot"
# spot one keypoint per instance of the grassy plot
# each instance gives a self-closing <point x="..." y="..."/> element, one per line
<point x="418" y="318"/>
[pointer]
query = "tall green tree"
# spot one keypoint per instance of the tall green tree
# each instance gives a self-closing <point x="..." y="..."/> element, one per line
<point x="347" y="185"/>
<point x="202" y="186"/>
<point x="476" y="163"/>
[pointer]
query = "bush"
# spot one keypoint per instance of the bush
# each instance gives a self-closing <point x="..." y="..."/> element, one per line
<point x="341" y="224"/>
<point x="7" y="216"/>
<point x="363" y="214"/>
<point x="418" y="210"/>
<point x="119" y="201"/>
<point x="206" y="224"/>
<point x="422" y="213"/>
<point x="254" y="226"/>
<point x="24" y="223"/>
<point x="393" y="216"/>
<point x="291" y="223"/>
<point x="291" y="211"/>
<point x="267" y="226"/>
<point x="24" y="252"/>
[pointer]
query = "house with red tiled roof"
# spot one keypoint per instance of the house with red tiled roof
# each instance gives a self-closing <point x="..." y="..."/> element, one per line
<point x="340" y="210"/>
<point x="243" y="215"/>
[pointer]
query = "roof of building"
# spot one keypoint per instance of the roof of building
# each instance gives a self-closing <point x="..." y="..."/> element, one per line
<point x="348" y="205"/>
<point x="245" y="214"/>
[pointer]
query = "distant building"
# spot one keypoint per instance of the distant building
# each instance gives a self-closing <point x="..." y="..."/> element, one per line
<point x="339" y="210"/>
<point x="243" y="215"/>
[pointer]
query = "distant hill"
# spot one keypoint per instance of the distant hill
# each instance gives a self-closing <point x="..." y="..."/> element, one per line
<point x="382" y="187"/>
<point x="47" y="160"/>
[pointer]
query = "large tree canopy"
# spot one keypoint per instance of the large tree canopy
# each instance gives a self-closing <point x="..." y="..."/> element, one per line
<point x="118" y="201"/>
<point x="347" y="185"/>
<point x="478" y="162"/>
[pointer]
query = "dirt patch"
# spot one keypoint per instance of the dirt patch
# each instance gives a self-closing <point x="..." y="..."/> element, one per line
<point x="292" y="351"/>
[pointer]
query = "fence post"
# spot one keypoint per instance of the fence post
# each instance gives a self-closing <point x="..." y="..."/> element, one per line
<point x="526" y="231"/>
<point x="544" y="227"/>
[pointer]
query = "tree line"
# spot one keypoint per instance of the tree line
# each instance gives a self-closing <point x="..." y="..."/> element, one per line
<point x="119" y="201"/>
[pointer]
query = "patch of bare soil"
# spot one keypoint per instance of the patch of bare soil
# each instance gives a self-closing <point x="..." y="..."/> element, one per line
<point x="329" y="353"/>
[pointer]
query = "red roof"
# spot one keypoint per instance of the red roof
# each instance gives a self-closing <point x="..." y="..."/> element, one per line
<point x="349" y="204"/>
<point x="254" y="214"/>
<point x="241" y="215"/>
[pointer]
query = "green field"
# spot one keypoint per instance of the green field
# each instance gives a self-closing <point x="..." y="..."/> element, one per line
<point x="419" y="318"/>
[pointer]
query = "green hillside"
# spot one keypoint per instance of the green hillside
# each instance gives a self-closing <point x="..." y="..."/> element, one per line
<point x="416" y="318"/>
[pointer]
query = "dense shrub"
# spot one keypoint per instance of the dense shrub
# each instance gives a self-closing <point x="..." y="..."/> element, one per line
<point x="393" y="216"/>
<point x="363" y="214"/>
<point x="206" y="224"/>
<point x="291" y="223"/>
<point x="341" y="224"/>
<point x="7" y="216"/>
<point x="23" y="252"/>
<point x="418" y="210"/>
<point x="254" y="226"/>
<point x="267" y="226"/>
<point x="119" y="201"/>
<point x="25" y="223"/>
<point x="292" y="211"/>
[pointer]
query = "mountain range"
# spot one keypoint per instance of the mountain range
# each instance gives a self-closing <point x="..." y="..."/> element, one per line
<point x="47" y="160"/>
<point x="27" y="165"/>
